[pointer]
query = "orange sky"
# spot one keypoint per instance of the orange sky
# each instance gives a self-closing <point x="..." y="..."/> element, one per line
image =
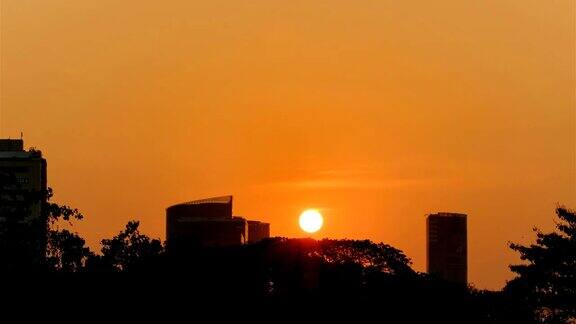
<point x="376" y="112"/>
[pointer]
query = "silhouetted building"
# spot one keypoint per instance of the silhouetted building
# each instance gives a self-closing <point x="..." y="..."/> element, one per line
<point x="23" y="185"/>
<point x="208" y="222"/>
<point x="258" y="231"/>
<point x="447" y="246"/>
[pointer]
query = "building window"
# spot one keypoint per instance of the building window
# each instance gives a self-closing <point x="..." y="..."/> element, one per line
<point x="22" y="180"/>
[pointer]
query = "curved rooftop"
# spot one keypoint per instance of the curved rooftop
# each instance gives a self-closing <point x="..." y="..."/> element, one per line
<point x="213" y="200"/>
<point x="447" y="214"/>
<point x="209" y="208"/>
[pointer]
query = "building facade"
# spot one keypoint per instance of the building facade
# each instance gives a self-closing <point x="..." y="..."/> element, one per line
<point x="209" y="222"/>
<point x="257" y="231"/>
<point x="447" y="246"/>
<point x="23" y="187"/>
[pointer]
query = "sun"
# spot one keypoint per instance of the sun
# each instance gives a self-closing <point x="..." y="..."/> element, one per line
<point x="311" y="221"/>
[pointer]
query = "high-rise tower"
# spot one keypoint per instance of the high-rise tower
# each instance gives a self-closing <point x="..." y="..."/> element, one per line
<point x="447" y="253"/>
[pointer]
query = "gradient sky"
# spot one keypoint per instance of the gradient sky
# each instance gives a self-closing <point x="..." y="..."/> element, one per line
<point x="376" y="112"/>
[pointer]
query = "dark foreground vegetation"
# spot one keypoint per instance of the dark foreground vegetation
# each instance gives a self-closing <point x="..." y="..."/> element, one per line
<point x="331" y="279"/>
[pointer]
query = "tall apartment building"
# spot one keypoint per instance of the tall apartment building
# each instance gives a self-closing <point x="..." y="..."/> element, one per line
<point x="23" y="185"/>
<point x="447" y="252"/>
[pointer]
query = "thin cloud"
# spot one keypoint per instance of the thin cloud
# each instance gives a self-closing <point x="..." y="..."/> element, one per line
<point x="355" y="183"/>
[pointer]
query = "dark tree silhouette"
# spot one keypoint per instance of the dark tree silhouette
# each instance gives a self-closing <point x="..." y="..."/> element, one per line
<point x="296" y="266"/>
<point x="371" y="256"/>
<point x="29" y="243"/>
<point x="547" y="282"/>
<point x="130" y="250"/>
<point x="65" y="251"/>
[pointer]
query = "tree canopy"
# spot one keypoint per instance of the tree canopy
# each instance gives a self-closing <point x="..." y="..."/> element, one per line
<point x="131" y="250"/>
<point x="547" y="279"/>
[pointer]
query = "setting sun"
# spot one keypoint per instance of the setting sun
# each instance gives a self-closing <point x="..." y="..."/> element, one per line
<point x="311" y="221"/>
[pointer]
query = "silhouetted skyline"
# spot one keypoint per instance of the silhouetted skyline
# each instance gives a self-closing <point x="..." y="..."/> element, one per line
<point x="375" y="112"/>
<point x="210" y="252"/>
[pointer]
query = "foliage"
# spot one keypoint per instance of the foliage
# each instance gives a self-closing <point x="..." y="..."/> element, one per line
<point x="294" y="266"/>
<point x="130" y="250"/>
<point x="55" y="212"/>
<point x="365" y="253"/>
<point x="66" y="251"/>
<point x="547" y="281"/>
